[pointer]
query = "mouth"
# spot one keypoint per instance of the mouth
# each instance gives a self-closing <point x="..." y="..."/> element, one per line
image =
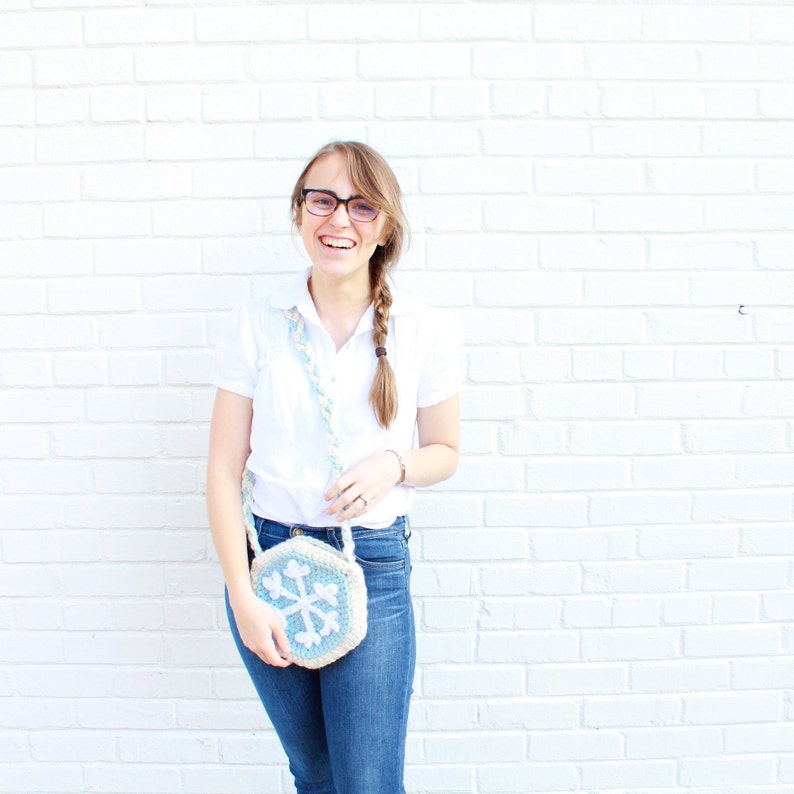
<point x="337" y="242"/>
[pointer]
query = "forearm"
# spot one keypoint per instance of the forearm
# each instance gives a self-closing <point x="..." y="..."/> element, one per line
<point x="224" y="506"/>
<point x="427" y="465"/>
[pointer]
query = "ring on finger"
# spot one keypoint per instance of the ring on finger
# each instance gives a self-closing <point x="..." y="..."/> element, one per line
<point x="364" y="500"/>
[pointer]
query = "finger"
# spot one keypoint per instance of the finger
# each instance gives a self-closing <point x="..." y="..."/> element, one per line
<point x="271" y="656"/>
<point x="337" y="489"/>
<point x="282" y="641"/>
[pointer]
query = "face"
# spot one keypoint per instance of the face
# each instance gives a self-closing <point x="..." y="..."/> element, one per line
<point x="339" y="248"/>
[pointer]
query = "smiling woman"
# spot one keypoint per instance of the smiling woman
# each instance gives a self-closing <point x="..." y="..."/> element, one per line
<point x="392" y="369"/>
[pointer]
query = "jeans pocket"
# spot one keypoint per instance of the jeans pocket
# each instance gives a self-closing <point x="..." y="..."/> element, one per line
<point x="384" y="551"/>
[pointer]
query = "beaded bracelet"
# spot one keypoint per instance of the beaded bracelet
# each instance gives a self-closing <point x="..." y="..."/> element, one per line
<point x="401" y="462"/>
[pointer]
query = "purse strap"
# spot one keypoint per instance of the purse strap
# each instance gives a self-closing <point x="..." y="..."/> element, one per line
<point x="329" y="421"/>
<point x="327" y="407"/>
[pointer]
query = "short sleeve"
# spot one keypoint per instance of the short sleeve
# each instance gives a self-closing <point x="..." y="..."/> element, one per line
<point x="442" y="373"/>
<point x="237" y="352"/>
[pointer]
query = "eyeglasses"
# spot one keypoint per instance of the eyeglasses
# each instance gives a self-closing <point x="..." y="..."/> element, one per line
<point x="325" y="202"/>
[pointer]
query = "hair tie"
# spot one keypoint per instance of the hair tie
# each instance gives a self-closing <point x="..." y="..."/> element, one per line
<point x="380" y="351"/>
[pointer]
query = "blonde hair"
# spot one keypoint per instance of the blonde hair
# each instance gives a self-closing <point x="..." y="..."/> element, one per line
<point x="374" y="180"/>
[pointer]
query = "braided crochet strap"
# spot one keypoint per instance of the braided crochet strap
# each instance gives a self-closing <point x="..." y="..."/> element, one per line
<point x="327" y="406"/>
<point x="248" y="513"/>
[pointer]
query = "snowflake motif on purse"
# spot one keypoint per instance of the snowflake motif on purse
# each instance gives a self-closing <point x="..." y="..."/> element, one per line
<point x="318" y="591"/>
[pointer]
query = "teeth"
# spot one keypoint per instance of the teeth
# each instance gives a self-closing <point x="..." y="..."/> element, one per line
<point x="333" y="243"/>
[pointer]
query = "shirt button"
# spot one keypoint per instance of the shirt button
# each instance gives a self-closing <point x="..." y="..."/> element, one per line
<point x="333" y="378"/>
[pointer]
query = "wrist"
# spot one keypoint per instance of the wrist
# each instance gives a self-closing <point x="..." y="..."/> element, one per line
<point x="401" y="463"/>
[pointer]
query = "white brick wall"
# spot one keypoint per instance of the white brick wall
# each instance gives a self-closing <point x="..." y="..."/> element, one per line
<point x="604" y="591"/>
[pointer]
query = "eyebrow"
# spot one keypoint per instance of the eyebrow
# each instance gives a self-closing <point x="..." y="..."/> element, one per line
<point x="334" y="194"/>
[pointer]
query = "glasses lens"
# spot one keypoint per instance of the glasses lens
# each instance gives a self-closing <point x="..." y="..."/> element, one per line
<point x="360" y="210"/>
<point x="319" y="203"/>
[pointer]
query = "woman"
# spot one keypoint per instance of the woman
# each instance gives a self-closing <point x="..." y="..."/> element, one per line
<point x="393" y="368"/>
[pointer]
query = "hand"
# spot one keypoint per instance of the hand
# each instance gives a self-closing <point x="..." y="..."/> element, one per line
<point x="261" y="630"/>
<point x="363" y="486"/>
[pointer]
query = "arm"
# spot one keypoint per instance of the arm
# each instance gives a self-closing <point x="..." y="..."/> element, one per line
<point x="435" y="460"/>
<point x="230" y="431"/>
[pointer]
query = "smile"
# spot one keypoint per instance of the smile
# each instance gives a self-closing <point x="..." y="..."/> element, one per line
<point x="336" y="242"/>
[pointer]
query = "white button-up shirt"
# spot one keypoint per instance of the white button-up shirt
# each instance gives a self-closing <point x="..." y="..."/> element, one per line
<point x="257" y="358"/>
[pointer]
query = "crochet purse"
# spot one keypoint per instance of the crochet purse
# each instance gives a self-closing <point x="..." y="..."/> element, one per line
<point x="319" y="592"/>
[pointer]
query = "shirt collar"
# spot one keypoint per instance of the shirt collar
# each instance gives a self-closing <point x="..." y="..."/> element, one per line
<point x="295" y="292"/>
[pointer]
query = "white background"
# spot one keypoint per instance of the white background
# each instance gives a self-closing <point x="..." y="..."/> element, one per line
<point x="604" y="590"/>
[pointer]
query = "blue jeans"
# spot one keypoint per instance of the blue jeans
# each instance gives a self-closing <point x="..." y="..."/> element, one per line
<point x="343" y="727"/>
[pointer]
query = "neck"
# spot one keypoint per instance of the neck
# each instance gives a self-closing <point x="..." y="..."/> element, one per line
<point x="339" y="306"/>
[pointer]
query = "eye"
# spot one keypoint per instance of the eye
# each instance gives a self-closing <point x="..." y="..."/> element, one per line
<point x="360" y="205"/>
<point x="319" y="200"/>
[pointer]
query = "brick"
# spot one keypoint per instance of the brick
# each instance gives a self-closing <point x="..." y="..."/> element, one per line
<point x="75" y="67"/>
<point x="141" y="257"/>
<point x="533" y="511"/>
<point x="574" y="177"/>
<point x="504" y="748"/>
<point x="557" y="139"/>
<point x="577" y="475"/>
<point x="734" y="641"/>
<point x="701" y="253"/>
<point x="544" y="579"/>
<point x="460" y="101"/>
<point x="474" y="681"/>
<point x="542" y="289"/>
<point x="401" y="101"/>
<point x="574" y="100"/>
<point x="369" y="23"/>
<point x="590" y="327"/>
<point x="635" y="611"/>
<point x="632" y="577"/>
<point x="517" y="61"/>
<point x="88" y="145"/>
<point x="20" y="222"/>
<point x="534" y="438"/>
<point x="522" y="780"/>
<point x="741" y="506"/>
<point x="173" y="104"/>
<point x="579" y="402"/>
<point x="611" y="438"/>
<point x="621" y="510"/>
<point x="444" y="544"/>
<point x="537" y="647"/>
<point x="180" y="142"/>
<point x="679" y="677"/>
<point x="730" y="709"/>
<point x="674" y="742"/>
<point x="247" y="780"/>
<point x="16" y="108"/>
<point x="250" y="24"/>
<point x="708" y="177"/>
<point x="135" y="182"/>
<point x="696" y="24"/>
<point x="519" y="99"/>
<point x="26" y="777"/>
<point x="652" y="139"/>
<point x="62" y="105"/>
<point x="131" y="780"/>
<point x="575" y="746"/>
<point x="581" y="544"/>
<point x="630" y="712"/>
<point x="581" y="679"/>
<point x="32" y="31"/>
<point x="530" y="613"/>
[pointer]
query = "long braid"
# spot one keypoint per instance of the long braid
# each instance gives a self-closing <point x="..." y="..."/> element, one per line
<point x="383" y="393"/>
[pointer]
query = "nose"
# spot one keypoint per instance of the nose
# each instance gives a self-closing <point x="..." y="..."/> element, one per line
<point x="336" y="218"/>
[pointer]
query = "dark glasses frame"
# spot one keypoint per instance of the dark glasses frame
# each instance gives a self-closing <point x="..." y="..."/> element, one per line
<point x="331" y="194"/>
